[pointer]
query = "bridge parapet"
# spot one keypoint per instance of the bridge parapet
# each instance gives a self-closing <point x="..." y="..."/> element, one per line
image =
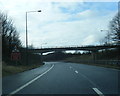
<point x="83" y="48"/>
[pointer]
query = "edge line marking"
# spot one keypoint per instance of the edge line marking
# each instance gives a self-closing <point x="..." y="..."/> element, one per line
<point x="28" y="83"/>
<point x="98" y="92"/>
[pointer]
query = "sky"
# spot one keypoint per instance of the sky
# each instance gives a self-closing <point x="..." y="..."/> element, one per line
<point x="60" y="23"/>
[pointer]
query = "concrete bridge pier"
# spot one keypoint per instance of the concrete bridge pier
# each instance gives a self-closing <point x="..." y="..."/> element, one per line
<point x="94" y="55"/>
<point x="41" y="58"/>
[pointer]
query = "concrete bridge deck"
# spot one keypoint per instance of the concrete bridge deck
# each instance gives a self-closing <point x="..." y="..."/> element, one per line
<point x="83" y="48"/>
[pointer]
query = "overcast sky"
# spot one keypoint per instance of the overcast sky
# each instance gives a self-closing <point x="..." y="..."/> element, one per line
<point x="60" y="23"/>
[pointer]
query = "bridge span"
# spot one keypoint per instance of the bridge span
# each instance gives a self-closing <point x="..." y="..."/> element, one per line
<point x="82" y="48"/>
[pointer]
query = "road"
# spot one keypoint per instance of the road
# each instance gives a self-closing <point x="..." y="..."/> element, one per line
<point x="64" y="78"/>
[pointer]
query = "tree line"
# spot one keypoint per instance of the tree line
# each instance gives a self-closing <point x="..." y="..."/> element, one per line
<point x="114" y="32"/>
<point x="10" y="40"/>
<point x="113" y="35"/>
<point x="9" y="34"/>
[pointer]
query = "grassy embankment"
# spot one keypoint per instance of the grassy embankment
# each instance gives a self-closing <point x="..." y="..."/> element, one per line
<point x="77" y="59"/>
<point x="10" y="69"/>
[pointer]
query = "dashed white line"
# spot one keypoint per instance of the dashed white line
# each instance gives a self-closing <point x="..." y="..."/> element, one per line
<point x="20" y="88"/>
<point x="98" y="92"/>
<point x="76" y="71"/>
<point x="95" y="89"/>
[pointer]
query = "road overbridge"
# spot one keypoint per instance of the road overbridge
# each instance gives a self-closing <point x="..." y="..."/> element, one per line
<point x="94" y="49"/>
<point x="80" y="48"/>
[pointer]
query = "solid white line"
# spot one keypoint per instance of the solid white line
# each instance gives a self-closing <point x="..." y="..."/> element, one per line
<point x="98" y="92"/>
<point x="20" y="88"/>
<point x="76" y="71"/>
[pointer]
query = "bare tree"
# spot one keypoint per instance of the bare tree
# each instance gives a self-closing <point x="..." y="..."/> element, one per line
<point x="9" y="35"/>
<point x="115" y="29"/>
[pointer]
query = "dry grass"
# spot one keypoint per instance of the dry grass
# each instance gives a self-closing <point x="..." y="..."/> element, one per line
<point x="10" y="69"/>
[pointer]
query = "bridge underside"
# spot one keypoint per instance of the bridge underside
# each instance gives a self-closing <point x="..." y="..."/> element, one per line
<point x="83" y="48"/>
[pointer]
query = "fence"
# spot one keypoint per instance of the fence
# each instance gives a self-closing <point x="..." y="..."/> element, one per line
<point x="106" y="62"/>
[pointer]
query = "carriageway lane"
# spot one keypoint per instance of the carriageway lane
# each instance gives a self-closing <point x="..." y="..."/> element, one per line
<point x="11" y="83"/>
<point x="72" y="78"/>
<point x="59" y="80"/>
<point x="106" y="79"/>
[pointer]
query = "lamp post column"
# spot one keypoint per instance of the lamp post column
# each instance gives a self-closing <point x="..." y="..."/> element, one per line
<point x="27" y="36"/>
<point x="26" y="42"/>
<point x="108" y="36"/>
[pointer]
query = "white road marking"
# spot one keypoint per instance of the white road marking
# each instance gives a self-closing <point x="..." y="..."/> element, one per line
<point x="76" y="71"/>
<point x="20" y="88"/>
<point x="98" y="92"/>
<point x="70" y="67"/>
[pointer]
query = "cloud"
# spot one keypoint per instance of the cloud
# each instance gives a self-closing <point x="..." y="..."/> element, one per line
<point x="80" y="32"/>
<point x="88" y="40"/>
<point x="59" y="24"/>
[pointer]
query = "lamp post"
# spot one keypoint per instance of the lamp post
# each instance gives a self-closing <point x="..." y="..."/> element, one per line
<point x="27" y="35"/>
<point x="108" y="37"/>
<point x="43" y="44"/>
<point x="42" y="53"/>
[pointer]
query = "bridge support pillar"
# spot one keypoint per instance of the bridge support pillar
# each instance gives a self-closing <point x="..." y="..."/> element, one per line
<point x="41" y="58"/>
<point x="94" y="55"/>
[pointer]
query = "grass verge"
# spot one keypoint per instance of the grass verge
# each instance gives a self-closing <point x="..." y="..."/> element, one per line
<point x="10" y="69"/>
<point x="76" y="60"/>
<point x="101" y="65"/>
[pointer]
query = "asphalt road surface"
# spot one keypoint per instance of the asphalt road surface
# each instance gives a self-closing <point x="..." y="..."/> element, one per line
<point x="64" y="78"/>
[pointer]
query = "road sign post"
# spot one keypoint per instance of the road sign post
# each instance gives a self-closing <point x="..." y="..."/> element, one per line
<point x="15" y="56"/>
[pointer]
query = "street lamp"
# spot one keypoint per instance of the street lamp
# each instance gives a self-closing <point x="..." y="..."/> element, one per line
<point x="108" y="38"/>
<point x="42" y="53"/>
<point x="43" y="44"/>
<point x="27" y="35"/>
